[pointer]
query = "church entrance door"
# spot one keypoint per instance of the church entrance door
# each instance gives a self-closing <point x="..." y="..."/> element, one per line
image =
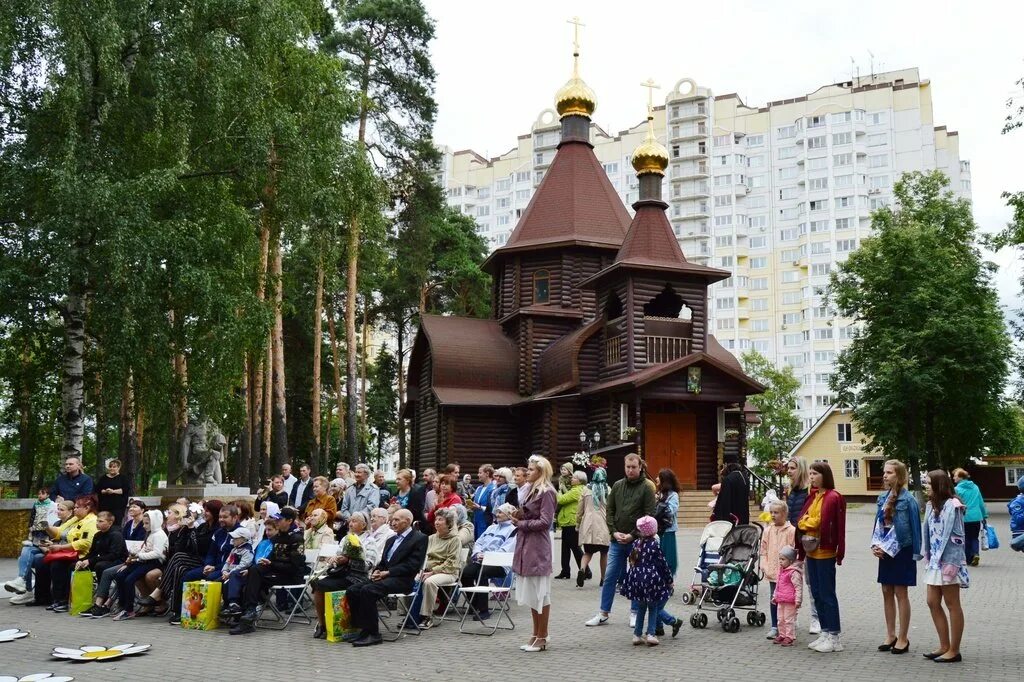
<point x="670" y="441"/>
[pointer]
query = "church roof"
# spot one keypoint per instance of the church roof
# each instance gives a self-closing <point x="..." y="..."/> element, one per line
<point x="559" y="367"/>
<point x="472" y="361"/>
<point x="574" y="204"/>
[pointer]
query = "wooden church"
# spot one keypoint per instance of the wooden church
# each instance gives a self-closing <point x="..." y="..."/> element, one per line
<point x="599" y="328"/>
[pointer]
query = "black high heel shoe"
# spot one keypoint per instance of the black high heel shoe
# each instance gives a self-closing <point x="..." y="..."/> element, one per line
<point x="888" y="646"/>
<point x="904" y="650"/>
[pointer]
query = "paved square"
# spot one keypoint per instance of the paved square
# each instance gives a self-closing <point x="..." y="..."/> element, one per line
<point x="991" y="646"/>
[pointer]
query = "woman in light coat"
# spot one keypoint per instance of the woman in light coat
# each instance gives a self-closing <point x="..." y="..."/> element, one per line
<point x="593" y="526"/>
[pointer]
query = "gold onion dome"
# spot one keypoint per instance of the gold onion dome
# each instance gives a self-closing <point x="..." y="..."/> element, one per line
<point x="575" y="97"/>
<point x="651" y="156"/>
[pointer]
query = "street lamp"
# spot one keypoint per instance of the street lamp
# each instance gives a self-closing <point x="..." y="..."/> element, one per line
<point x="590" y="442"/>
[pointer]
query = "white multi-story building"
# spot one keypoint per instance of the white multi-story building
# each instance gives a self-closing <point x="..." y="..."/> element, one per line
<point x="778" y="194"/>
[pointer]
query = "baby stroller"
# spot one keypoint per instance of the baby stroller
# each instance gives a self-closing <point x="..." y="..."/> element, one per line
<point x="731" y="584"/>
<point x="710" y="543"/>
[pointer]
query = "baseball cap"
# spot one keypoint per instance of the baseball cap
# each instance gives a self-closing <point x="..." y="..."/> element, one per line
<point x="241" y="532"/>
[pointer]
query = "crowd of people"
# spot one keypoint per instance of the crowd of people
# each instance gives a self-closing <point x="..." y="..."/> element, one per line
<point x="419" y="535"/>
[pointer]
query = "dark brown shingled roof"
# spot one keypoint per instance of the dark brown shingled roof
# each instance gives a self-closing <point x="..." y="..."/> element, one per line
<point x="650" y="240"/>
<point x="472" y="361"/>
<point x="558" y="362"/>
<point x="574" y="204"/>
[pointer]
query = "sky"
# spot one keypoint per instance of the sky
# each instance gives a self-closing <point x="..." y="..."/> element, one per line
<point x="499" y="64"/>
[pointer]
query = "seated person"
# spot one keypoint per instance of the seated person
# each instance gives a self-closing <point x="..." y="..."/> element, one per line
<point x="234" y="571"/>
<point x="178" y="540"/>
<point x="350" y="566"/>
<point x="42" y="531"/>
<point x="380" y="528"/>
<point x="401" y="559"/>
<point x="151" y="555"/>
<point x="441" y="568"/>
<point x="201" y="522"/>
<point x="106" y="555"/>
<point x="53" y="578"/>
<point x="133" y="530"/>
<point x="284" y="566"/>
<point x="465" y="528"/>
<point x="499" y="537"/>
<point x="266" y="509"/>
<point x="318" y="531"/>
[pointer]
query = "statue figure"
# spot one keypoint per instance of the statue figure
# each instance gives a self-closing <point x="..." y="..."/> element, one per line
<point x="200" y="458"/>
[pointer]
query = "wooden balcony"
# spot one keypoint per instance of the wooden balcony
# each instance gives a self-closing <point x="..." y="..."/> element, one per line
<point x="662" y="349"/>
<point x="613" y="350"/>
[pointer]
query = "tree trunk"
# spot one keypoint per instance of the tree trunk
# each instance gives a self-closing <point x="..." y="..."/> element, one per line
<point x="337" y="378"/>
<point x="26" y="428"/>
<point x="101" y="427"/>
<point x="72" y="391"/>
<point x="364" y="353"/>
<point x="128" y="451"/>
<point x="268" y="402"/>
<point x="280" y="417"/>
<point x="318" y="332"/>
<point x="401" y="390"/>
<point x="179" y="415"/>
<point x="241" y="473"/>
<point x="257" y="432"/>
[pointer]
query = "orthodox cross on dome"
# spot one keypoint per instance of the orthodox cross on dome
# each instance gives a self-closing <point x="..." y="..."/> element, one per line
<point x="651" y="87"/>
<point x="576" y="26"/>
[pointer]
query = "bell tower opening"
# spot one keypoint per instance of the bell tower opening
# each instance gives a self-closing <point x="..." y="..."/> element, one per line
<point x="667" y="304"/>
<point x="613" y="310"/>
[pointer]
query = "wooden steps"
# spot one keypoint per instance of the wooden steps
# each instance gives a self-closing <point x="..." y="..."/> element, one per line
<point x="694" y="510"/>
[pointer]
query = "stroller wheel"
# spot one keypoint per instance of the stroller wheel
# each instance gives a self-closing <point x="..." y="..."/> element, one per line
<point x="687" y="597"/>
<point x="694" y="620"/>
<point x="751" y="618"/>
<point x="761" y="619"/>
<point x="702" y="620"/>
<point x="729" y="614"/>
<point x="721" y="615"/>
<point x="733" y="625"/>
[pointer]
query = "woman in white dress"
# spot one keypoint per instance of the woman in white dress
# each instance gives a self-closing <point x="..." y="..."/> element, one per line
<point x="532" y="560"/>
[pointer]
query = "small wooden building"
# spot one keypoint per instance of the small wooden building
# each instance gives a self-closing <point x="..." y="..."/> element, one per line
<point x="599" y="326"/>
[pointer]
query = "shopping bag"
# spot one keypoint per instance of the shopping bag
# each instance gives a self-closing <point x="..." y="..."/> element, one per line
<point x="200" y="605"/>
<point x="81" y="592"/>
<point x="338" y="616"/>
<point x="993" y="539"/>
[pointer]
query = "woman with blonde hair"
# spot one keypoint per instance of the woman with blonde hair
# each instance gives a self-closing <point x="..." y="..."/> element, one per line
<point x="896" y="543"/>
<point x="321" y="499"/>
<point x="532" y="559"/>
<point x="799" y="485"/>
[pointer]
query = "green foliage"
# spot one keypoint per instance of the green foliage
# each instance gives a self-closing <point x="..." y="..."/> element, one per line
<point x="382" y="399"/>
<point x="780" y="427"/>
<point x="926" y="371"/>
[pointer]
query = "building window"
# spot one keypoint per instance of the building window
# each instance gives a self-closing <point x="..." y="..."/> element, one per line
<point x="844" y="245"/>
<point x="503" y="185"/>
<point x="877" y="118"/>
<point x="725" y="303"/>
<point x="817" y="142"/>
<point x="522" y="176"/>
<point x="758" y="262"/>
<point x="541" y="286"/>
<point x="820" y="269"/>
<point x="758" y="242"/>
<point x="787" y="153"/>
<point x="880" y="161"/>
<point x="786" y="132"/>
<point x="611" y="168"/>
<point x="1013" y="474"/>
<point x="842" y="138"/>
<point x="759" y="304"/>
<point x="851" y="468"/>
<point x="759" y="325"/>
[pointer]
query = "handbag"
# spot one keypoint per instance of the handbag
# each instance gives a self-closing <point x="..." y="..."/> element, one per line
<point x="810" y="542"/>
<point x="60" y="555"/>
<point x="993" y="539"/>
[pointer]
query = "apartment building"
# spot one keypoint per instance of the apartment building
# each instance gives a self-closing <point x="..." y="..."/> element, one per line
<point x="778" y="194"/>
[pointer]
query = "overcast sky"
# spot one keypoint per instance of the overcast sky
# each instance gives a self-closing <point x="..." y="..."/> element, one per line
<point x="499" y="64"/>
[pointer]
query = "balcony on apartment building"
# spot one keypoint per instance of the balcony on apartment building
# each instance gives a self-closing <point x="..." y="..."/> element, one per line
<point x="685" y="112"/>
<point x="688" y="170"/>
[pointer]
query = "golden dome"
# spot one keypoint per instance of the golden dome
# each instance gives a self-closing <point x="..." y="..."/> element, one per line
<point x="575" y="97"/>
<point x="651" y="156"/>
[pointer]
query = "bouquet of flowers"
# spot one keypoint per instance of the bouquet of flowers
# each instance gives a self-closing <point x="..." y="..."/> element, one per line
<point x="598" y="462"/>
<point x="580" y="460"/>
<point x="353" y="548"/>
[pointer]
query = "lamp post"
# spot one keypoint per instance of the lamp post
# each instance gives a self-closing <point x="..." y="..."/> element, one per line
<point x="590" y="442"/>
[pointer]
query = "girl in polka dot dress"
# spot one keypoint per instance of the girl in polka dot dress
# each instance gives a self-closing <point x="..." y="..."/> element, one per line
<point x="648" y="580"/>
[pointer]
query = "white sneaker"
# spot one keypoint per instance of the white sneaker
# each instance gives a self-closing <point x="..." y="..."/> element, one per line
<point x="632" y="619"/>
<point x="814" y="644"/>
<point x="23" y="598"/>
<point x="772" y="633"/>
<point x="17" y="585"/>
<point x="815" y="628"/>
<point x="637" y="641"/>
<point x="599" y="619"/>
<point x="829" y="644"/>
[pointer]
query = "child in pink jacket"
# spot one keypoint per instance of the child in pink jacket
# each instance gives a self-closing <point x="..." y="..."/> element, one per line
<point x="780" y="533"/>
<point x="788" y="594"/>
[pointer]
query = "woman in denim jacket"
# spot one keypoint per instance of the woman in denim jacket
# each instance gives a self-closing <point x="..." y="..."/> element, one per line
<point x="897" y="513"/>
<point x="946" y="570"/>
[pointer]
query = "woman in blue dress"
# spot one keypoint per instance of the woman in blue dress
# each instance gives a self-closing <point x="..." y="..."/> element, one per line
<point x="896" y="543"/>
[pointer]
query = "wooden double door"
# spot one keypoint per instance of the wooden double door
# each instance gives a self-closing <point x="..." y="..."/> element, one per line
<point x="670" y="441"/>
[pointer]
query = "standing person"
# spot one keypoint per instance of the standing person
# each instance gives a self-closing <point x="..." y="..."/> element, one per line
<point x="409" y="496"/>
<point x="568" y="505"/>
<point x="648" y="583"/>
<point x="72" y="483"/>
<point x="446" y="496"/>
<point x="822" y="539"/>
<point x="733" y="503"/>
<point x="499" y="495"/>
<point x="1016" y="509"/>
<point x="362" y="496"/>
<point x="898" y="513"/>
<point x="788" y="594"/>
<point x="480" y="502"/>
<point x="288" y="481"/>
<point x="629" y="499"/>
<point x="430" y="490"/>
<point x="799" y="486"/>
<point x="668" y="495"/>
<point x="779" y="534"/>
<point x="564" y="478"/>
<point x="115" y="489"/>
<point x="531" y="561"/>
<point x="975" y="513"/>
<point x="302" y="491"/>
<point x="945" y="570"/>
<point x="518" y="487"/>
<point x="382" y="489"/>
<point x="321" y="499"/>
<point x="278" y="491"/>
<point x="592" y="525"/>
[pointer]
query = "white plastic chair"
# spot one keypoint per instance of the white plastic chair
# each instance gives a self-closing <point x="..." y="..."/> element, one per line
<point x="504" y="606"/>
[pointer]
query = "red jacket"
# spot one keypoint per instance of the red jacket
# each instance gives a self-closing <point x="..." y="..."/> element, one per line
<point x="449" y="501"/>
<point x="832" y="534"/>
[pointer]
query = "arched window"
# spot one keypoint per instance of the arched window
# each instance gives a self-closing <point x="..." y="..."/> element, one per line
<point x="541" y="286"/>
<point x="666" y="304"/>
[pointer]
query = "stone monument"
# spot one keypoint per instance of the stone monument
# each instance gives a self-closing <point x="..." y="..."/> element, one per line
<point x="202" y="453"/>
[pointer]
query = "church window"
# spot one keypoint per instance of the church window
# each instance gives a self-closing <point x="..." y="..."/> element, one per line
<point x="666" y="304"/>
<point x="541" y="286"/>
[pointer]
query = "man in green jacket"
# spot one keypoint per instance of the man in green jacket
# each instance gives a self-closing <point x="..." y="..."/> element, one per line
<point x="629" y="499"/>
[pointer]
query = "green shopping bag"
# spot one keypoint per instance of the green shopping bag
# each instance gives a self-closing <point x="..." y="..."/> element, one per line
<point x="81" y="592"/>
<point x="338" y="616"/>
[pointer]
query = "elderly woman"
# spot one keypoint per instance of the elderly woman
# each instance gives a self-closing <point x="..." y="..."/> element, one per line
<point x="318" y="530"/>
<point x="592" y="526"/>
<point x="568" y="503"/>
<point x="500" y="536"/>
<point x="336" y="489"/>
<point x="532" y="560"/>
<point x="151" y="555"/>
<point x="321" y="499"/>
<point x="441" y="566"/>
<point x="502" y="477"/>
<point x="53" y="579"/>
<point x="380" y="528"/>
<point x="267" y="508"/>
<point x="342" y="570"/>
<point x="463" y="526"/>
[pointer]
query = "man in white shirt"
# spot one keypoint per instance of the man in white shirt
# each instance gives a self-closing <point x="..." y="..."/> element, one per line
<point x="289" y="480"/>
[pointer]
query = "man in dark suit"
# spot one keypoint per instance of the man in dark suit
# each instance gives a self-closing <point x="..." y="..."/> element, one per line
<point x="302" y="491"/>
<point x="400" y="561"/>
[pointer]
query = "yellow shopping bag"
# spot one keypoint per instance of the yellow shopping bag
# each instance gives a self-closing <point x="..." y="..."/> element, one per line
<point x="338" y="616"/>
<point x="200" y="605"/>
<point x="81" y="592"/>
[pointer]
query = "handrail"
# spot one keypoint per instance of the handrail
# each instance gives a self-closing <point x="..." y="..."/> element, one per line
<point x="760" y="486"/>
